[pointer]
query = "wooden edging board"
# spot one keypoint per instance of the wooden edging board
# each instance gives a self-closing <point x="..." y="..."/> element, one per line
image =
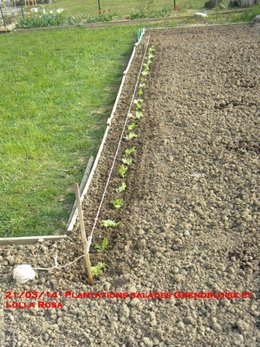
<point x="4" y="241"/>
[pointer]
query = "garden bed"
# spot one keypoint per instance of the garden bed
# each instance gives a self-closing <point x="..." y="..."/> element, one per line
<point x="189" y="219"/>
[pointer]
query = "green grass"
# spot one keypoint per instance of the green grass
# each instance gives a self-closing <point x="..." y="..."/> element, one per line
<point x="121" y="8"/>
<point x="246" y="16"/>
<point x="57" y="90"/>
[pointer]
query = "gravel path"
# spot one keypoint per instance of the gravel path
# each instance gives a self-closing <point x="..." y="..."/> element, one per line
<point x="190" y="217"/>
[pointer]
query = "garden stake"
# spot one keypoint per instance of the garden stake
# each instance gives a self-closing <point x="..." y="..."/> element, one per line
<point x="83" y="237"/>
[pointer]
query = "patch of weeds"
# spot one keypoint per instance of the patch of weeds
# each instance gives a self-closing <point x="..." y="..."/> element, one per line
<point x="165" y="11"/>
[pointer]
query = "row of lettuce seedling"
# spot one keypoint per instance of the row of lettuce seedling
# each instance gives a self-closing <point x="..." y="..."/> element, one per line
<point x="129" y="153"/>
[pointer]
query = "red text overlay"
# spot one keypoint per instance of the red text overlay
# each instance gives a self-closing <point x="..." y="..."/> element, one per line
<point x="47" y="299"/>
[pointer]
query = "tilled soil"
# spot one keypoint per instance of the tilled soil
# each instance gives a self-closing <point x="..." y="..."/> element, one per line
<point x="189" y="222"/>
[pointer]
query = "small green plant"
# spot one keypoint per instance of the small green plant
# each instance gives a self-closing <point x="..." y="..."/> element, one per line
<point x="140" y="92"/>
<point x="108" y="223"/>
<point x="121" y="188"/>
<point x="117" y="203"/>
<point x="145" y="73"/>
<point x="122" y="170"/>
<point x="132" y="135"/>
<point x="139" y="115"/>
<point x="104" y="17"/>
<point x="132" y="126"/>
<point x="101" y="247"/>
<point x="130" y="151"/>
<point x="127" y="161"/>
<point x="138" y="104"/>
<point x="97" y="270"/>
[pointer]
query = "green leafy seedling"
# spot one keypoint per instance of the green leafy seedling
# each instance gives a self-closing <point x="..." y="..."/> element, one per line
<point x="140" y="92"/>
<point x="117" y="203"/>
<point x="97" y="270"/>
<point x="132" y="135"/>
<point x="132" y="126"/>
<point x="138" y="104"/>
<point x="130" y="151"/>
<point x="127" y="161"/>
<point x="121" y="188"/>
<point x="108" y="223"/>
<point x="101" y="247"/>
<point x="122" y="170"/>
<point x="139" y="115"/>
<point x="145" y="73"/>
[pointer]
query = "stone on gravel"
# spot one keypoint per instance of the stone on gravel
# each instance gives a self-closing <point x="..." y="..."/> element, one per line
<point x="147" y="341"/>
<point x="124" y="313"/>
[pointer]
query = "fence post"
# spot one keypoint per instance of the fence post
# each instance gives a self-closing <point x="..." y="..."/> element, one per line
<point x="3" y="16"/>
<point x="22" y="11"/>
<point x="99" y="7"/>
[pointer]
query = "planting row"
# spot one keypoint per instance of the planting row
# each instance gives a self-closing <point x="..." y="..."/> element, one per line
<point x="126" y="161"/>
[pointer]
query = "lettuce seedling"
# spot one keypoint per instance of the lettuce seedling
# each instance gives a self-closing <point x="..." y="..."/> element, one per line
<point x="130" y="151"/>
<point x="139" y="115"/>
<point x="97" y="270"/>
<point x="132" y="135"/>
<point x="122" y="170"/>
<point x="140" y="92"/>
<point x="101" y="247"/>
<point x="132" y="126"/>
<point x="117" y="203"/>
<point x="138" y="104"/>
<point x="121" y="188"/>
<point x="127" y="161"/>
<point x="108" y="223"/>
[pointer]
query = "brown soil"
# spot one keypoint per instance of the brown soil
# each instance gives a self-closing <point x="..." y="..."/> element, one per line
<point x="191" y="211"/>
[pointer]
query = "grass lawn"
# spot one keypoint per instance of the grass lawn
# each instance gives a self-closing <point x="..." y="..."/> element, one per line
<point x="57" y="90"/>
<point x="121" y="8"/>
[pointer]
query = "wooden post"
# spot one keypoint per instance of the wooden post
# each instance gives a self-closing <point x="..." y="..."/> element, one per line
<point x="83" y="237"/>
<point x="99" y="7"/>
<point x="2" y="14"/>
